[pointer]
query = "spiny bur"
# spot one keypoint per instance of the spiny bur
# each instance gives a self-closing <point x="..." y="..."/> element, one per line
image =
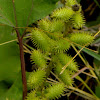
<point x="36" y="78"/>
<point x="55" y="91"/>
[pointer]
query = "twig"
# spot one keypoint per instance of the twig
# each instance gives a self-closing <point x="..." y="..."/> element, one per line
<point x="80" y="71"/>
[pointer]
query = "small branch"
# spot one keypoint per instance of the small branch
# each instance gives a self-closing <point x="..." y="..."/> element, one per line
<point x="80" y="71"/>
<point x="83" y="92"/>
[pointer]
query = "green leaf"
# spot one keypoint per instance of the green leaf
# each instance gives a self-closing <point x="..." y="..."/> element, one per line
<point x="96" y="64"/>
<point x="9" y="55"/>
<point x="6" y="12"/>
<point x="97" y="3"/>
<point x="78" y="1"/>
<point x="26" y="11"/>
<point x="15" y="92"/>
<point x="96" y="41"/>
<point x="91" y="53"/>
<point x="93" y="23"/>
<point x="3" y="87"/>
<point x="97" y="91"/>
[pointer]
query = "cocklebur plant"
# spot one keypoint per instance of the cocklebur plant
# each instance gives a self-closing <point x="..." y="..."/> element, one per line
<point x="51" y="42"/>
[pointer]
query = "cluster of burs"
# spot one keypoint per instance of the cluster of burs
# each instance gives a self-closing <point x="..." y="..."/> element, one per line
<point x="52" y="38"/>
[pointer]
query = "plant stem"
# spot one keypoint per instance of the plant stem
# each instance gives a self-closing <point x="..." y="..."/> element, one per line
<point x="79" y="78"/>
<point x="85" y="94"/>
<point x="24" y="83"/>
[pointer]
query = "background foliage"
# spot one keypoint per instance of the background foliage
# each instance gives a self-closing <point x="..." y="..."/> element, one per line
<point x="27" y="12"/>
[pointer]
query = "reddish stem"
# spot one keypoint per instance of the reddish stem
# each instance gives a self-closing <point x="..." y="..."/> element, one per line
<point x="20" y="40"/>
<point x="24" y="82"/>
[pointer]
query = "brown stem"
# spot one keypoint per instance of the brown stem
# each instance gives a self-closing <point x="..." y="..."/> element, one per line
<point x="20" y="40"/>
<point x="24" y="83"/>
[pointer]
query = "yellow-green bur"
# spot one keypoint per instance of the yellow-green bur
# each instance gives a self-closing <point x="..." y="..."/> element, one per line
<point x="36" y="78"/>
<point x="65" y="76"/>
<point x="45" y="24"/>
<point x="38" y="58"/>
<point x="78" y="20"/>
<point x="64" y="59"/>
<point x="57" y="25"/>
<point x="52" y="28"/>
<point x="54" y="91"/>
<point x="31" y="96"/>
<point x="70" y="3"/>
<point x="61" y="45"/>
<point x="81" y="38"/>
<point x="40" y="39"/>
<point x="63" y="13"/>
